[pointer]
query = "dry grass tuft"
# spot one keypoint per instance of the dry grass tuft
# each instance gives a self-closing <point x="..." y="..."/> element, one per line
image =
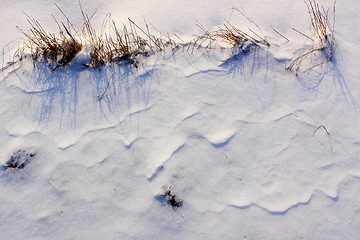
<point x="130" y="41"/>
<point x="236" y="37"/>
<point x="323" y="32"/>
<point x="58" y="48"/>
<point x="229" y="34"/>
<point x="99" y="45"/>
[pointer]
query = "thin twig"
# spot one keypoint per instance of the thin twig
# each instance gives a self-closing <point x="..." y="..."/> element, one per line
<point x="107" y="86"/>
<point x="280" y="34"/>
<point x="303" y="34"/>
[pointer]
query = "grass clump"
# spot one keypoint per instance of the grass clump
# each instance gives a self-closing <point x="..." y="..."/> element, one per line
<point x="236" y="37"/>
<point x="59" y="48"/>
<point x="323" y="32"/>
<point x="131" y="41"/>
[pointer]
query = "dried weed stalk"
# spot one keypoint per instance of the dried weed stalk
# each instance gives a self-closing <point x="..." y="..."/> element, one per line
<point x="323" y="31"/>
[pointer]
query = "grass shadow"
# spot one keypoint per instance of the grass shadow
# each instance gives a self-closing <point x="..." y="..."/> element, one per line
<point x="67" y="93"/>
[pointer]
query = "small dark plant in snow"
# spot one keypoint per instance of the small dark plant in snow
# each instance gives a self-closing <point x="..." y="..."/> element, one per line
<point x="169" y="198"/>
<point x="18" y="160"/>
<point x="324" y="42"/>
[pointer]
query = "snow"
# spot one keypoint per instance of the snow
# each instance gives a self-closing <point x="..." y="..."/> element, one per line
<point x="252" y="150"/>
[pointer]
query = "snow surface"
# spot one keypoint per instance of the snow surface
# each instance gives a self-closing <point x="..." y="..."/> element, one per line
<point x="236" y="140"/>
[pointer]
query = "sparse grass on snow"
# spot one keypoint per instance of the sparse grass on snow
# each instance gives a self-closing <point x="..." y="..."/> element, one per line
<point x="127" y="42"/>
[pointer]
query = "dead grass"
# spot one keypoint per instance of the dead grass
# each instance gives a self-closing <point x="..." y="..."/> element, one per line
<point x="129" y="41"/>
<point x="123" y="44"/>
<point x="99" y="44"/>
<point x="119" y="44"/>
<point x="58" y="48"/>
<point x="323" y="32"/>
<point x="234" y="36"/>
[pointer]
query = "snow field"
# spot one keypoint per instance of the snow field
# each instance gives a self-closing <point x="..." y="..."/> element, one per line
<point x="236" y="140"/>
